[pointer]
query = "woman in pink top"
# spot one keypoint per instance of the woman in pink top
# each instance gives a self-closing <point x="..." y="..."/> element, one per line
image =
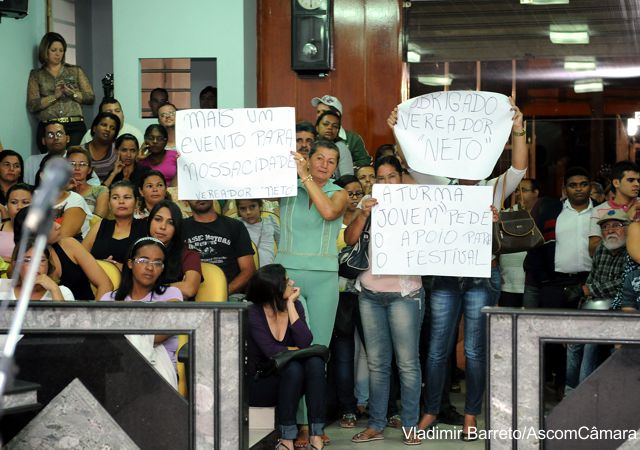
<point x="155" y="154"/>
<point x="391" y="309"/>
<point x="18" y="197"/>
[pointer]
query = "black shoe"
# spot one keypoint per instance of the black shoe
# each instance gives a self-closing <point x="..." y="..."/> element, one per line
<point x="450" y="416"/>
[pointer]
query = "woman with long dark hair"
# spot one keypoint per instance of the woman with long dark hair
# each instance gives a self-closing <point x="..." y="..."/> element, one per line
<point x="126" y="167"/>
<point x="110" y="239"/>
<point x="151" y="190"/>
<point x="141" y="281"/>
<point x="183" y="269"/>
<point x="277" y="323"/>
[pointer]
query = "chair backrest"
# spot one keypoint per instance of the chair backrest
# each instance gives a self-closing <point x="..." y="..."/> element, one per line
<point x="214" y="284"/>
<point x="256" y="256"/>
<point x="112" y="272"/>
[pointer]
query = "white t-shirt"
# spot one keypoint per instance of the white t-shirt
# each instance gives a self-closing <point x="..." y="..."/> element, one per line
<point x="67" y="295"/>
<point x="75" y="200"/>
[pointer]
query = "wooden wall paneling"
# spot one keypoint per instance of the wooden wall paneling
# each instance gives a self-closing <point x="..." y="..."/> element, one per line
<point x="368" y="75"/>
<point x="385" y="69"/>
<point x="348" y="79"/>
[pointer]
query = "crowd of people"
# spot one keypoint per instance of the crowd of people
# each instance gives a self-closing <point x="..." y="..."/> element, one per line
<point x="392" y="338"/>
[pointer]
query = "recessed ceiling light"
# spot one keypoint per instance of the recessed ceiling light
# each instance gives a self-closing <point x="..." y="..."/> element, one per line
<point x="413" y="57"/>
<point x="579" y="63"/>
<point x="435" y="80"/>
<point x="590" y="85"/>
<point x="569" y="34"/>
<point x="544" y="2"/>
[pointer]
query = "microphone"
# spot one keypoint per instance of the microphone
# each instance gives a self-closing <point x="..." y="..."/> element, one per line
<point x="55" y="177"/>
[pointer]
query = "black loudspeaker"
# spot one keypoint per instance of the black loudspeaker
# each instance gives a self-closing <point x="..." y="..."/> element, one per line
<point x="14" y="8"/>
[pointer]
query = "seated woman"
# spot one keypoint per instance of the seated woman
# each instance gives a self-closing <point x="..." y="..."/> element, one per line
<point x="18" y="197"/>
<point x="45" y="287"/>
<point x="72" y="211"/>
<point x="11" y="170"/>
<point x="73" y="264"/>
<point x="110" y="239"/>
<point x="152" y="189"/>
<point x="126" y="167"/>
<point x="183" y="269"/>
<point x="104" y="129"/>
<point x="277" y="323"/>
<point x="142" y="282"/>
<point x="155" y="154"/>
<point x="97" y="197"/>
<point x="264" y="232"/>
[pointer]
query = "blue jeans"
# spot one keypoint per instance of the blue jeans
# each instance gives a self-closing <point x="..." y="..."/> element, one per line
<point x="582" y="359"/>
<point x="342" y="352"/>
<point x="285" y="389"/>
<point x="392" y="322"/>
<point x="448" y="296"/>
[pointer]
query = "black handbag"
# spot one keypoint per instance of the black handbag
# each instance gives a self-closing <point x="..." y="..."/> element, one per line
<point x="515" y="231"/>
<point x="354" y="260"/>
<point x="280" y="359"/>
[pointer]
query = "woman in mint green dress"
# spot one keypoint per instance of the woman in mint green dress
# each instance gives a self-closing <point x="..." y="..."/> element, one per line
<point x="309" y="224"/>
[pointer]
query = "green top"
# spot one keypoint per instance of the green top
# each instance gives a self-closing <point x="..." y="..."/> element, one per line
<point x="307" y="241"/>
<point x="357" y="149"/>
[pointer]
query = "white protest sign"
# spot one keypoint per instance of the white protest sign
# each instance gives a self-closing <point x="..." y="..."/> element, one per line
<point x="236" y="153"/>
<point x="431" y="230"/>
<point x="455" y="134"/>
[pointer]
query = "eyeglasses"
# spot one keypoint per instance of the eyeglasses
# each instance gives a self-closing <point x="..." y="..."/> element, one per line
<point x="356" y="194"/>
<point x="148" y="263"/>
<point x="8" y="165"/>
<point x="28" y="259"/>
<point x="166" y="115"/>
<point x="607" y="226"/>
<point x="155" y="138"/>
<point x="75" y="164"/>
<point x="57" y="134"/>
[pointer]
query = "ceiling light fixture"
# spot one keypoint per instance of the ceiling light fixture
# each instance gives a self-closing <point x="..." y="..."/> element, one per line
<point x="632" y="127"/>
<point x="580" y="63"/>
<point x="435" y="80"/>
<point x="590" y="85"/>
<point x="413" y="57"/>
<point x="544" y="2"/>
<point x="569" y="34"/>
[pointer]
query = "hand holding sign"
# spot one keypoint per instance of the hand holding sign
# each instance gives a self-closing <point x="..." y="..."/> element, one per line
<point x="236" y="153"/>
<point x="456" y="134"/>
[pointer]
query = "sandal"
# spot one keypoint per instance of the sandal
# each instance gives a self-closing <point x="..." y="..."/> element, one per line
<point x="325" y="440"/>
<point x="394" y="421"/>
<point x="281" y="446"/>
<point x="348" y="421"/>
<point x="302" y="441"/>
<point x="411" y="440"/>
<point x="367" y="435"/>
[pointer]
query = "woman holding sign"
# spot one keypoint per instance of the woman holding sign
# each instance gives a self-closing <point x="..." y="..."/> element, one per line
<point x="391" y="309"/>
<point x="309" y="227"/>
<point x="451" y="296"/>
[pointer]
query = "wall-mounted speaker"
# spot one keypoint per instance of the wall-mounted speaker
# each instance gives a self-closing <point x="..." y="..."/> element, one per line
<point x="14" y="8"/>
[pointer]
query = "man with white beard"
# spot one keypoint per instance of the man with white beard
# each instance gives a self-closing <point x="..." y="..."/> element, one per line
<point x="600" y="288"/>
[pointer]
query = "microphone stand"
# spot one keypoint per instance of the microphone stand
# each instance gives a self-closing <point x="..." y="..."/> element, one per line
<point x="7" y="370"/>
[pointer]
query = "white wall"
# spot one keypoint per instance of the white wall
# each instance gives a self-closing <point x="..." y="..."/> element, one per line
<point x="19" y="41"/>
<point x="221" y="29"/>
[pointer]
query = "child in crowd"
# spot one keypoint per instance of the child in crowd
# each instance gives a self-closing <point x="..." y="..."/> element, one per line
<point x="264" y="231"/>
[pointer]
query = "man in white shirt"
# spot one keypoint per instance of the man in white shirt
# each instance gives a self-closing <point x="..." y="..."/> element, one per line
<point x="572" y="264"/>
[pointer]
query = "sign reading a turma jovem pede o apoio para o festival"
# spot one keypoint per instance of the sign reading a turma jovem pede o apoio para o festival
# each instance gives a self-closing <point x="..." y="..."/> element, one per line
<point x="431" y="230"/>
<point x="236" y="153"/>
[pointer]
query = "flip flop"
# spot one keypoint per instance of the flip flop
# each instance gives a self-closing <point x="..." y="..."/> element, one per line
<point x="365" y="436"/>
